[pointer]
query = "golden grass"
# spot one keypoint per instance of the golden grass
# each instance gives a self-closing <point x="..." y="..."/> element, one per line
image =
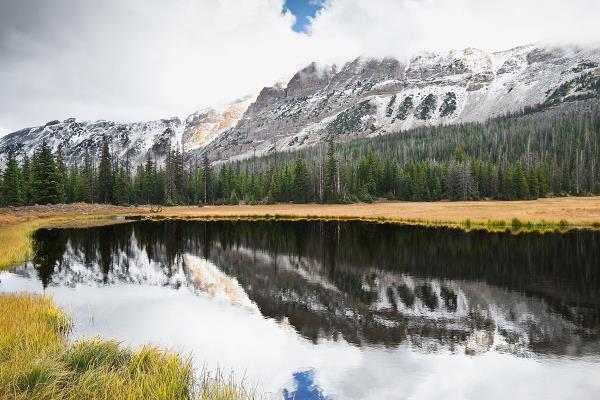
<point x="17" y="224"/>
<point x="37" y="362"/>
<point x="542" y="214"/>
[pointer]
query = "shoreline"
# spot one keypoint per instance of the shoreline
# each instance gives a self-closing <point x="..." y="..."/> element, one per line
<point x="577" y="212"/>
<point x="542" y="215"/>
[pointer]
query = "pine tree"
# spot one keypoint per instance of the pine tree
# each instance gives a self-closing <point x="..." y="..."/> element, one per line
<point x="45" y="184"/>
<point x="121" y="189"/>
<point x="330" y="189"/>
<point x="61" y="170"/>
<point x="88" y="175"/>
<point x="105" y="174"/>
<point x="301" y="178"/>
<point x="26" y="180"/>
<point x="206" y="173"/>
<point x="12" y="183"/>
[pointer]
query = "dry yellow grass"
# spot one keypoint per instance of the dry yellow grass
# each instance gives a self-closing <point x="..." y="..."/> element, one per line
<point x="16" y="224"/>
<point x="578" y="211"/>
<point x="37" y="362"/>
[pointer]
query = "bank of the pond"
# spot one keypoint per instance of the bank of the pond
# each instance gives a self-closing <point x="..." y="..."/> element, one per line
<point x="562" y="213"/>
<point x="18" y="223"/>
<point x="540" y="215"/>
<point x="37" y="361"/>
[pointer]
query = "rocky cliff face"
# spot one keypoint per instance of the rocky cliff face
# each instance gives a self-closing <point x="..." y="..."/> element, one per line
<point x="365" y="97"/>
<point x="205" y="125"/>
<point x="368" y="97"/>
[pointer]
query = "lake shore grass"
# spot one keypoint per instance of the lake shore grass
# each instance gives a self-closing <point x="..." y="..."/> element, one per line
<point x="37" y="361"/>
<point x="542" y="215"/>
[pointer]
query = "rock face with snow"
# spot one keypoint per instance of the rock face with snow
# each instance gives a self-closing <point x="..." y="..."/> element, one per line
<point x="132" y="142"/>
<point x="205" y="125"/>
<point x="365" y="97"/>
<point x="368" y="97"/>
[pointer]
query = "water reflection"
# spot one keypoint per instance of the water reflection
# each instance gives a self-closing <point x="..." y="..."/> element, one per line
<point x="434" y="290"/>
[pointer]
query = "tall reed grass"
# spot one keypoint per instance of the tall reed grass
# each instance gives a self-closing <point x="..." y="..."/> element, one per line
<point x="37" y="362"/>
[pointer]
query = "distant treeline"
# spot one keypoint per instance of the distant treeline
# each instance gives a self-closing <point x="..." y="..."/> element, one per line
<point x="515" y="157"/>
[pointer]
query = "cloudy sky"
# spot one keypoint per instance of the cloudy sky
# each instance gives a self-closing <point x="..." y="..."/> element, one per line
<point x="131" y="60"/>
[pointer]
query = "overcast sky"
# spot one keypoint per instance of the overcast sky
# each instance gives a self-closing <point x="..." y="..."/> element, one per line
<point x="132" y="60"/>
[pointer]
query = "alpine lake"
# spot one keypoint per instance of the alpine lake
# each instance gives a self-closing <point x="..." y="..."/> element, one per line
<point x="338" y="310"/>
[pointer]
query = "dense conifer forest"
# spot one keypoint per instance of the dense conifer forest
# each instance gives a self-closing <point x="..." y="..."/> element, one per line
<point x="523" y="156"/>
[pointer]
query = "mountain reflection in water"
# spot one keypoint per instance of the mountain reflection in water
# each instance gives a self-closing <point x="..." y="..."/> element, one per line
<point x="435" y="290"/>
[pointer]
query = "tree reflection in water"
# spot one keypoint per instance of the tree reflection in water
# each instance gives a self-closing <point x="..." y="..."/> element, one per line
<point x="371" y="284"/>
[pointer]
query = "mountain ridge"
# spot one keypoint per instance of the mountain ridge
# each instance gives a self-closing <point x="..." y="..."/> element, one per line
<point x="364" y="97"/>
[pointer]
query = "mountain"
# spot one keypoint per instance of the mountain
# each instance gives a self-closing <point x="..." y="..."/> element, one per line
<point x="132" y="141"/>
<point x="364" y="97"/>
<point x="368" y="97"/>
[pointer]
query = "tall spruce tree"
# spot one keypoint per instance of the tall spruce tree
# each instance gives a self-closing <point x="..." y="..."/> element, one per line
<point x="206" y="178"/>
<point x="301" y="178"/>
<point x="26" y="174"/>
<point x="330" y="192"/>
<point x="45" y="183"/>
<point x="61" y="170"/>
<point x="105" y="179"/>
<point x="121" y="189"/>
<point x="12" y="183"/>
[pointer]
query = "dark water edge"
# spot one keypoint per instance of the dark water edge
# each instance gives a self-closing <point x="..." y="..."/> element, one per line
<point x="378" y="288"/>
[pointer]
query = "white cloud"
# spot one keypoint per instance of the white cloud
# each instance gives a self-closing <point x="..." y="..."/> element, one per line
<point x="137" y="60"/>
<point x="401" y="27"/>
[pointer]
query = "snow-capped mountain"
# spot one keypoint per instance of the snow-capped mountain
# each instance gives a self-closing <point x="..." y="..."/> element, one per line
<point x="128" y="141"/>
<point x="369" y="97"/>
<point x="364" y="97"/>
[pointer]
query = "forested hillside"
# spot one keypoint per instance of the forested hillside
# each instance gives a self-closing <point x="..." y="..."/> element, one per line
<point x="521" y="156"/>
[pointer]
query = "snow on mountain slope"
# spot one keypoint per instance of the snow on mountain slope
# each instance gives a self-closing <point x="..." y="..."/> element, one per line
<point x="131" y="142"/>
<point x="369" y="97"/>
<point x="365" y="97"/>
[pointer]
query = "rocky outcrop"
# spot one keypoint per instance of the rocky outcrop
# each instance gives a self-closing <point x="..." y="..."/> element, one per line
<point x="205" y="125"/>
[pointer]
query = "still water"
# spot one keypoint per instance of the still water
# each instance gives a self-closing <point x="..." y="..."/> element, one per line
<point x="339" y="310"/>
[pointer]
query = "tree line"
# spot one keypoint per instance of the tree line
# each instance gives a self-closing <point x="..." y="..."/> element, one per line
<point x="514" y="157"/>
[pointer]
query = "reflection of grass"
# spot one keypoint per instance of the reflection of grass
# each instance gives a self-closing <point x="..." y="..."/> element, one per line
<point x="37" y="362"/>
